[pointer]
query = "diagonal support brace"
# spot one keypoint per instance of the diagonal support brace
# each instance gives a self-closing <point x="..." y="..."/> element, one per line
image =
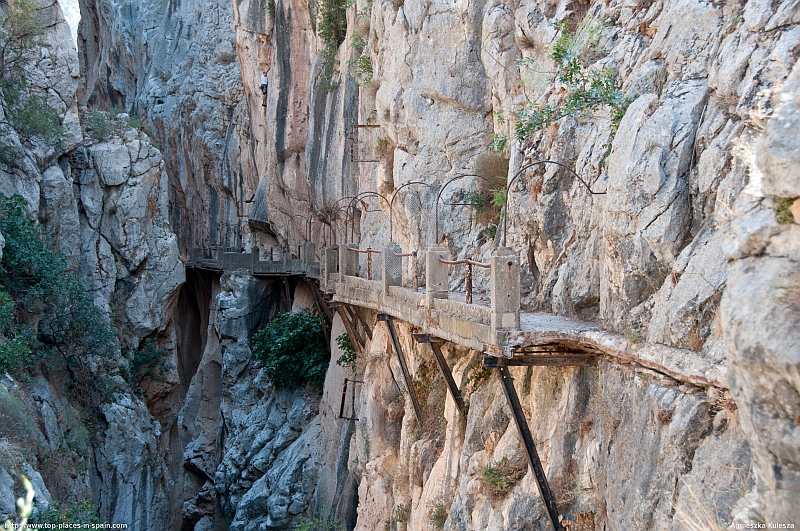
<point x="530" y="448"/>
<point x="403" y="366"/>
<point x="443" y="368"/>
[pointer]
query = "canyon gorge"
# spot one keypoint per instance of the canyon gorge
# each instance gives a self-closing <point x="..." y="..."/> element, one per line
<point x="653" y="153"/>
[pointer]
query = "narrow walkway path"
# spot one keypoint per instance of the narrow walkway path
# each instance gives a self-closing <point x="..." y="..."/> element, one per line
<point x="445" y="315"/>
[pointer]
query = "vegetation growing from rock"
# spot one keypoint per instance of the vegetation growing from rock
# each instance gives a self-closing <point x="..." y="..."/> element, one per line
<point x="587" y="89"/>
<point x="292" y="349"/>
<point x="28" y="113"/>
<point x="500" y="477"/>
<point x="349" y="357"/>
<point x="331" y="19"/>
<point x="488" y="198"/>
<point x="51" y="311"/>
<point x="319" y="523"/>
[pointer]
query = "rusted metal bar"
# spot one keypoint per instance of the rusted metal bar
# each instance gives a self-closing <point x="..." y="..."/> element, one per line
<point x="530" y="448"/>
<point x="414" y="278"/>
<point x="344" y="396"/>
<point x="465" y="261"/>
<point x="349" y="327"/>
<point x="569" y="360"/>
<point x="443" y="368"/>
<point x="364" y="323"/>
<point x="467" y="274"/>
<point x="354" y="139"/>
<point x="351" y="313"/>
<point x="403" y="367"/>
<point x="369" y="252"/>
<point x="468" y="283"/>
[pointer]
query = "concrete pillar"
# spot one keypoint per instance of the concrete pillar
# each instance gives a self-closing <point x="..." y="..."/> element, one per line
<point x="437" y="283"/>
<point x="348" y="260"/>
<point x="505" y="289"/>
<point x="329" y="266"/>
<point x="392" y="267"/>
<point x="308" y="252"/>
<point x="253" y="258"/>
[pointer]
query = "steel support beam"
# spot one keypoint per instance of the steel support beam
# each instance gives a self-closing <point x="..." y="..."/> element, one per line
<point x="403" y="366"/>
<point x="530" y="448"/>
<point x="352" y="313"/>
<point x="349" y="327"/>
<point x="443" y="368"/>
<point x="344" y="395"/>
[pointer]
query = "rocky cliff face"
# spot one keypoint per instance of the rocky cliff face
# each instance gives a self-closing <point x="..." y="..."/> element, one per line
<point x="105" y="206"/>
<point x="674" y="230"/>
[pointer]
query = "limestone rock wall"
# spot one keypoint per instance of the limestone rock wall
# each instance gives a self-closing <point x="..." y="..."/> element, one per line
<point x="678" y="246"/>
<point x="622" y="447"/>
<point x="106" y="207"/>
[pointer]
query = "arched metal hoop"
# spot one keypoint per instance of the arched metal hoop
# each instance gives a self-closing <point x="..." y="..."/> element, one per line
<point x="391" y="207"/>
<point x="439" y="195"/>
<point x="527" y="166"/>
<point x="351" y="207"/>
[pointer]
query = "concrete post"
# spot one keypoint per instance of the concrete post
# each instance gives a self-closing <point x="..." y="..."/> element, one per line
<point x="253" y="258"/>
<point x="437" y="283"/>
<point x="348" y="260"/>
<point x="392" y="270"/>
<point x="329" y="266"/>
<point x="505" y="289"/>
<point x="309" y="252"/>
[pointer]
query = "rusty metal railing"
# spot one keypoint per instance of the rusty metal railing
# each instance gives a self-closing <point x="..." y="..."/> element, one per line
<point x="369" y="252"/>
<point x="414" y="277"/>
<point x="467" y="273"/>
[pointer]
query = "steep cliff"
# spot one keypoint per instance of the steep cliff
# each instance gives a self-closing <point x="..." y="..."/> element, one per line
<point x="72" y="422"/>
<point x="666" y="213"/>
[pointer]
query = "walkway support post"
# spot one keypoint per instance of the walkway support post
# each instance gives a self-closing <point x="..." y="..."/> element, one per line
<point x="403" y="366"/>
<point x="437" y="284"/>
<point x="505" y="289"/>
<point x="330" y="266"/>
<point x="348" y="260"/>
<point x="444" y="369"/>
<point x="530" y="448"/>
<point x="308" y="252"/>
<point x="392" y="269"/>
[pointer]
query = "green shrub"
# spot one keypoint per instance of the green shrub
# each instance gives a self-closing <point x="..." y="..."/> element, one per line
<point x="401" y="513"/>
<point x="331" y="18"/>
<point x="20" y="37"/>
<point x="319" y="523"/>
<point x="349" y="357"/>
<point x="292" y="349"/>
<point x="783" y="212"/>
<point x="49" y="303"/>
<point x="98" y="125"/>
<point x="15" y="351"/>
<point x="439" y="515"/>
<point x="500" y="477"/>
<point x="82" y="513"/>
<point x="148" y="362"/>
<point x="587" y="89"/>
<point x="33" y="116"/>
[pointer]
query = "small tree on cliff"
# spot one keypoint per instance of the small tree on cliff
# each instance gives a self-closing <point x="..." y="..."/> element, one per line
<point x="20" y="41"/>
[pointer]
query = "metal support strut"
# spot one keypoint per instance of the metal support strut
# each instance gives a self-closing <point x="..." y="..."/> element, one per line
<point x="443" y="368"/>
<point x="344" y="395"/>
<point x="530" y="448"/>
<point x="403" y="366"/>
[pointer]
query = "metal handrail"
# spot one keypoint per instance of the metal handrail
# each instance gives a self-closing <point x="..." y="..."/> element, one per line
<point x="467" y="274"/>
<point x="351" y="207"/>
<point x="369" y="252"/>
